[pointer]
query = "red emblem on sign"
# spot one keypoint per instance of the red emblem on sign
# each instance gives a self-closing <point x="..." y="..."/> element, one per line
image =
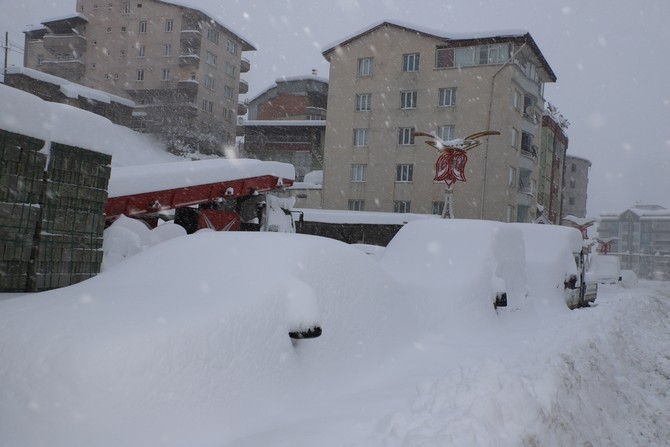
<point x="450" y="166"/>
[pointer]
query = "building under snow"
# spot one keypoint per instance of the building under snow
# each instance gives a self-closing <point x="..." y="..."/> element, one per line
<point x="177" y="63"/>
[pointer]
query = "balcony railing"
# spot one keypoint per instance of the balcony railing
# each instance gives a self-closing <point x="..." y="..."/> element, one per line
<point x="245" y="65"/>
<point x="244" y="86"/>
<point x="56" y="43"/>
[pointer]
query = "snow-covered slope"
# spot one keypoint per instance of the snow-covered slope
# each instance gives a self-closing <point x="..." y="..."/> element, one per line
<point x="23" y="113"/>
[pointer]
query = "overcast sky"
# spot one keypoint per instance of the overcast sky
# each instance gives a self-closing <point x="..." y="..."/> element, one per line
<point x="609" y="57"/>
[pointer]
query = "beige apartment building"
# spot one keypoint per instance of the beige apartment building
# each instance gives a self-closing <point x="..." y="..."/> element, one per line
<point x="391" y="80"/>
<point x="178" y="64"/>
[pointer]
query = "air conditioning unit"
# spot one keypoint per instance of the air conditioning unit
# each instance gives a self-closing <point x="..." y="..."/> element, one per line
<point x="240" y="120"/>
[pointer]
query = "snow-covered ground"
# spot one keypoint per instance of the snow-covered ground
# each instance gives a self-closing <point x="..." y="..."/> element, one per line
<point x="186" y="343"/>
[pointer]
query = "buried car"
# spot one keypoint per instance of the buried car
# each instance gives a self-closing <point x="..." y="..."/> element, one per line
<point x="460" y="265"/>
<point x="177" y="344"/>
<point x="556" y="264"/>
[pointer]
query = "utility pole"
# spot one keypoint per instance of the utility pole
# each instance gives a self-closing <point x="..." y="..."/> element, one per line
<point x="4" y="72"/>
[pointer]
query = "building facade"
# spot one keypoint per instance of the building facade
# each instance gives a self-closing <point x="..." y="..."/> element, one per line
<point x="179" y="65"/>
<point x="391" y="80"/>
<point x="287" y="123"/>
<point x="551" y="164"/>
<point x="641" y="239"/>
<point x="575" y="186"/>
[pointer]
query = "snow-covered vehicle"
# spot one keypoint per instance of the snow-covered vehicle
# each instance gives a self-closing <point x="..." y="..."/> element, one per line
<point x="472" y="265"/>
<point x="556" y="264"/>
<point x="187" y="331"/>
<point x="606" y="269"/>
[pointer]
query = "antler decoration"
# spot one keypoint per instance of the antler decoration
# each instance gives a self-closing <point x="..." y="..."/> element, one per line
<point x="450" y="165"/>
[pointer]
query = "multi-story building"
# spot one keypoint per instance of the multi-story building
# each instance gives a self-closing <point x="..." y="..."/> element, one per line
<point x="575" y="185"/>
<point x="391" y="80"/>
<point x="640" y="236"/>
<point x="551" y="164"/>
<point x="287" y="123"/>
<point x="178" y="64"/>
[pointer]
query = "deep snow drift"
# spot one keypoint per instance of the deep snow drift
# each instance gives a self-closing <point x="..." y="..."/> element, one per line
<point x="186" y="343"/>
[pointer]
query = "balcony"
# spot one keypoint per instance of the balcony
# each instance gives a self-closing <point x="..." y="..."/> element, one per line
<point x="245" y="65"/>
<point x="242" y="108"/>
<point x="189" y="60"/>
<point x="244" y="86"/>
<point x="65" y="43"/>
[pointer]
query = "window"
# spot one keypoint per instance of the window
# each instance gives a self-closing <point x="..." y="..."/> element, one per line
<point x="167" y="50"/>
<point x="446" y="97"/>
<point x="358" y="173"/>
<point x="360" y="137"/>
<point x="464" y="56"/>
<point x="365" y="66"/>
<point x="444" y="57"/>
<point x="209" y="82"/>
<point x="207" y="106"/>
<point x="231" y="70"/>
<point x="401" y="206"/>
<point x="406" y="136"/>
<point x="143" y="26"/>
<point x="363" y="102"/>
<point x="571" y="200"/>
<point x="525" y="184"/>
<point x="527" y="142"/>
<point x="356" y="205"/>
<point x="228" y="92"/>
<point x="125" y="8"/>
<point x="141" y="51"/>
<point x="122" y="53"/>
<point x="404" y="173"/>
<point x="109" y="29"/>
<point x="515" y="138"/>
<point x="573" y="184"/>
<point x="228" y="115"/>
<point x="511" y="176"/>
<point x="213" y="35"/>
<point x="165" y="74"/>
<point x="438" y="208"/>
<point x="408" y="100"/>
<point x="139" y="75"/>
<point x="446" y="132"/>
<point x="573" y="167"/>
<point x="410" y="62"/>
<point x="510" y="213"/>
<point x="231" y="47"/>
<point x="169" y="24"/>
<point x="516" y="100"/>
<point x="211" y="59"/>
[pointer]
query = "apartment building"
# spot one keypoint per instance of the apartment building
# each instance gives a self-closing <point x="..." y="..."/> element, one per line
<point x="551" y="164"/>
<point x="575" y="186"/>
<point x="642" y="239"/>
<point x="392" y="79"/>
<point x="178" y="64"/>
<point x="287" y="123"/>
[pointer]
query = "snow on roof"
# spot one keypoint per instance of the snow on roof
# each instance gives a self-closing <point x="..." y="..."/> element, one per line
<point x="70" y="89"/>
<point x="579" y="220"/>
<point x="361" y="217"/>
<point x="75" y="15"/>
<point x="164" y="176"/>
<point x="289" y="79"/>
<point x="424" y="30"/>
<point x="26" y="114"/>
<point x="285" y="123"/>
<point x="439" y="34"/>
<point x="250" y="45"/>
